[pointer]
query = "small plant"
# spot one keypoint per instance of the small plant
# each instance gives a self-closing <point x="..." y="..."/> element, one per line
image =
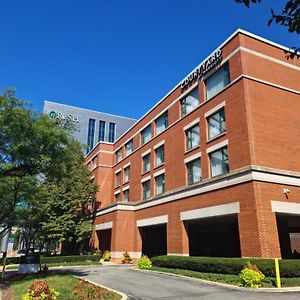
<point x="144" y="262"/>
<point x="251" y="277"/>
<point x="106" y="255"/>
<point x="39" y="290"/>
<point x="97" y="252"/>
<point x="45" y="268"/>
<point x="126" y="258"/>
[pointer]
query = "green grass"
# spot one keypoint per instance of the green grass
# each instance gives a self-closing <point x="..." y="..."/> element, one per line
<point x="63" y="283"/>
<point x="227" y="278"/>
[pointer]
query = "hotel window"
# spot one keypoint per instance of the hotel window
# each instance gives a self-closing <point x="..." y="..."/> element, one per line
<point x="216" y="124"/>
<point x="101" y="136"/>
<point x="219" y="162"/>
<point x="91" y="133"/>
<point x="112" y="132"/>
<point x="159" y="156"/>
<point x="119" y="155"/>
<point x="161" y="123"/>
<point x="190" y="102"/>
<point x="126" y="196"/>
<point x="194" y="171"/>
<point x="217" y="82"/>
<point x="126" y="174"/>
<point x="118" y="179"/>
<point x="160" y="184"/>
<point x="146" y="163"/>
<point x="146" y="135"/>
<point x="192" y="137"/>
<point x="129" y="148"/>
<point x="146" y="190"/>
<point x="118" y="197"/>
<point x="94" y="162"/>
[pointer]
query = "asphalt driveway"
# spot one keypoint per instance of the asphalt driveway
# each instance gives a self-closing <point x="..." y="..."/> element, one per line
<point x="152" y="286"/>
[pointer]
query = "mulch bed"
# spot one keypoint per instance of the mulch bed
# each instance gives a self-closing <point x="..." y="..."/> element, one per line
<point x="6" y="292"/>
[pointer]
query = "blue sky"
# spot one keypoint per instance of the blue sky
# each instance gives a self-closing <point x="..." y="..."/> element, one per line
<point x="121" y="56"/>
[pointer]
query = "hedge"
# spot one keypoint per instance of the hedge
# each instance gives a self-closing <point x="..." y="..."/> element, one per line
<point x="56" y="259"/>
<point x="288" y="267"/>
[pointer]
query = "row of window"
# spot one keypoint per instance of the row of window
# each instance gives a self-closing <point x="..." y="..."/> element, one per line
<point x="216" y="123"/>
<point x="101" y="133"/>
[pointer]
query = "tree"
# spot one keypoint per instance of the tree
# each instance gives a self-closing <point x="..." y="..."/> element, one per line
<point x="289" y="17"/>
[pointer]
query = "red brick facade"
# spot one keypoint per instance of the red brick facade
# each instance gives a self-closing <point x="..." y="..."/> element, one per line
<point x="262" y="113"/>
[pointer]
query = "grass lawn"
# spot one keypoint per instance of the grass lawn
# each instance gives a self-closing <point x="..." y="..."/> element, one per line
<point x="63" y="283"/>
<point x="227" y="278"/>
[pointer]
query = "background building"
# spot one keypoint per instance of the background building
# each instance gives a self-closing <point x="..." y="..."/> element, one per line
<point x="92" y="126"/>
<point x="213" y="169"/>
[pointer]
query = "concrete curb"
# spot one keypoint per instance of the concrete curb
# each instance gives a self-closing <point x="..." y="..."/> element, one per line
<point x="124" y="297"/>
<point x="224" y="285"/>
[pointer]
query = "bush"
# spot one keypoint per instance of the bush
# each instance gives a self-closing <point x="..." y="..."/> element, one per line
<point x="144" y="262"/>
<point x="73" y="258"/>
<point x="39" y="290"/>
<point x="251" y="277"/>
<point x="288" y="267"/>
<point x="126" y="258"/>
<point x="106" y="255"/>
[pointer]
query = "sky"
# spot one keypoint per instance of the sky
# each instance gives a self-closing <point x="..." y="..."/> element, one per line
<point x="119" y="57"/>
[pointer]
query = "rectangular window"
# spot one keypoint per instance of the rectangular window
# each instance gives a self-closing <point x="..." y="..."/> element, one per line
<point x="101" y="136"/>
<point x="118" y="179"/>
<point x="219" y="162"/>
<point x="112" y="132"/>
<point x="119" y="155"/>
<point x="126" y="174"/>
<point x="146" y="163"/>
<point x="216" y="124"/>
<point x="190" y="102"/>
<point x="91" y="134"/>
<point x="160" y="184"/>
<point x="217" y="82"/>
<point x="159" y="156"/>
<point x="146" y="190"/>
<point x="118" y="197"/>
<point x="146" y="135"/>
<point x="194" y="171"/>
<point x="129" y="148"/>
<point x="192" y="136"/>
<point x="126" y="196"/>
<point x="161" y="123"/>
<point x="94" y="162"/>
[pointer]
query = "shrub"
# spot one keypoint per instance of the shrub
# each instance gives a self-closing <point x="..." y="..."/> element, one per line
<point x="106" y="255"/>
<point x="72" y="258"/>
<point x="144" y="262"/>
<point x="251" y="277"/>
<point x="126" y="258"/>
<point x="39" y="290"/>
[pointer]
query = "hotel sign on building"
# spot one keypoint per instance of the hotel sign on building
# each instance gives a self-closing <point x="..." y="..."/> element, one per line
<point x="202" y="69"/>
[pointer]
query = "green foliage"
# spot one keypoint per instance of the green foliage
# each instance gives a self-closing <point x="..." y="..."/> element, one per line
<point x="288" y="267"/>
<point x="144" y="262"/>
<point x="251" y="277"/>
<point x="106" y="255"/>
<point x="68" y="259"/>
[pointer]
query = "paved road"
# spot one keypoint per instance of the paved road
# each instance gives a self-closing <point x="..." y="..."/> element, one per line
<point x="152" y="286"/>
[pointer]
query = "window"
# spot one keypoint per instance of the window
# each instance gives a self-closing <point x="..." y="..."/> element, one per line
<point x="126" y="174"/>
<point x="190" y="102"/>
<point x="94" y="162"/>
<point x="216" y="124"/>
<point x="129" y="148"/>
<point x="91" y="133"/>
<point x="118" y="197"/>
<point x="161" y="123"/>
<point x="112" y="132"/>
<point x="101" y="136"/>
<point x="118" y="179"/>
<point x="119" y="155"/>
<point x="146" y="190"/>
<point x="126" y="196"/>
<point x="146" y="163"/>
<point x="160" y="184"/>
<point x="192" y="137"/>
<point x="159" y="156"/>
<point x="146" y="135"/>
<point x="217" y="82"/>
<point x="219" y="162"/>
<point x="194" y="171"/>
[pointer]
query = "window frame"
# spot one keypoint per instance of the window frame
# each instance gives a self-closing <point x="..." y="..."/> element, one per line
<point x="209" y="138"/>
<point x="131" y="149"/>
<point x="186" y="131"/>
<point x="163" y="160"/>
<point x="143" y="160"/>
<point x="118" y="178"/>
<point x="125" y="180"/>
<point x="183" y="111"/>
<point x="143" y="141"/>
<point x="193" y="175"/>
<point x="165" y="118"/>
<point x="143" y="189"/>
<point x="227" y="169"/>
<point x="163" y="184"/>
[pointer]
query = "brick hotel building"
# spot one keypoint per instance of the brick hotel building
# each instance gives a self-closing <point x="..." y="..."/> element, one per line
<point x="213" y="169"/>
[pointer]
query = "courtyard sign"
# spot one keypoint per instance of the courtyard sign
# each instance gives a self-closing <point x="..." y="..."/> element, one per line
<point x="55" y="115"/>
<point x="201" y="70"/>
